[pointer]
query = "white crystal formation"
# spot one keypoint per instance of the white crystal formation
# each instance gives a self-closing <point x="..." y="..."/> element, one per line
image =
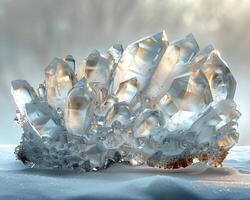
<point x="165" y="104"/>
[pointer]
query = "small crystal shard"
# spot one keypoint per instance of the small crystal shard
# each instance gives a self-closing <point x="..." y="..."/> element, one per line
<point x="71" y="61"/>
<point x="165" y="104"/>
<point x="147" y="123"/>
<point x="42" y="92"/>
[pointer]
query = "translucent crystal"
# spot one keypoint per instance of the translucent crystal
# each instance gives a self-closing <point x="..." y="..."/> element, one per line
<point x="59" y="79"/>
<point x="32" y="146"/>
<point x="105" y="107"/>
<point x="147" y="123"/>
<point x="96" y="152"/>
<point x="119" y="113"/>
<point x="42" y="92"/>
<point x="140" y="59"/>
<point x="174" y="63"/>
<point x="114" y="137"/>
<point x="79" y="109"/>
<point x="116" y="52"/>
<point x="221" y="81"/>
<point x="43" y="119"/>
<point x="165" y="104"/>
<point x="127" y="91"/>
<point x="71" y="61"/>
<point x="97" y="69"/>
<point x="23" y="93"/>
<point x="186" y="98"/>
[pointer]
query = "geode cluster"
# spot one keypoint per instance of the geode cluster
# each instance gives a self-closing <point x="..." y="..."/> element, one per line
<point x="165" y="104"/>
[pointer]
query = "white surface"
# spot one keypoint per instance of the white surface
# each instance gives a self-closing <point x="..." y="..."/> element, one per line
<point x="125" y="182"/>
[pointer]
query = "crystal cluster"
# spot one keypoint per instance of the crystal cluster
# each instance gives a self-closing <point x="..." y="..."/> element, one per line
<point x="165" y="104"/>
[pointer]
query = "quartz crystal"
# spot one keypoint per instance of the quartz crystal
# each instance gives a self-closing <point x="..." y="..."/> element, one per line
<point x="157" y="102"/>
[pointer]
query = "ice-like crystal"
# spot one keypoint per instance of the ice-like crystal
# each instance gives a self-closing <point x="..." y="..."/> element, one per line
<point x="116" y="52"/>
<point x="161" y="103"/>
<point x="97" y="69"/>
<point x="147" y="123"/>
<point x="23" y="93"/>
<point x="127" y="91"/>
<point x="119" y="113"/>
<point x="71" y="61"/>
<point x="221" y="81"/>
<point x="79" y="109"/>
<point x="43" y="118"/>
<point x="140" y="60"/>
<point x="59" y="79"/>
<point x="42" y="92"/>
<point x="174" y="63"/>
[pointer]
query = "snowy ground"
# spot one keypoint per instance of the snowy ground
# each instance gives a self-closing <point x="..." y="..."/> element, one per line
<point x="125" y="182"/>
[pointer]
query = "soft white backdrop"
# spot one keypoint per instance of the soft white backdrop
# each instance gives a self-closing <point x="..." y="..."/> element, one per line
<point x="33" y="32"/>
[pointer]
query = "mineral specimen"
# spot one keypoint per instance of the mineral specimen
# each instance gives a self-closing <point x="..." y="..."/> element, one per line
<point x="165" y="104"/>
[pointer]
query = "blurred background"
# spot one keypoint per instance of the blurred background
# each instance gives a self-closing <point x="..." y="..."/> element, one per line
<point x="33" y="32"/>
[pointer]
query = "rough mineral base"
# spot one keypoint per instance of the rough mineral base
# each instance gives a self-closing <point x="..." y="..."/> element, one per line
<point x="165" y="104"/>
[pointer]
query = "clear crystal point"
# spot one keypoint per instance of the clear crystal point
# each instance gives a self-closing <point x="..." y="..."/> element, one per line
<point x="79" y="110"/>
<point x="221" y="81"/>
<point x="140" y="59"/>
<point x="147" y="123"/>
<point x="59" y="79"/>
<point x="23" y="93"/>
<point x="98" y="68"/>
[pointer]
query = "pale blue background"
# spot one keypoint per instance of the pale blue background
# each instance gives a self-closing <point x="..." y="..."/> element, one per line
<point x="33" y="32"/>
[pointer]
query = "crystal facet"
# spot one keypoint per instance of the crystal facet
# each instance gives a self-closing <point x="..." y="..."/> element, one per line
<point x="165" y="104"/>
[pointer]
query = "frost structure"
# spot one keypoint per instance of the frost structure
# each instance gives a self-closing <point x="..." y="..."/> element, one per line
<point x="167" y="104"/>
